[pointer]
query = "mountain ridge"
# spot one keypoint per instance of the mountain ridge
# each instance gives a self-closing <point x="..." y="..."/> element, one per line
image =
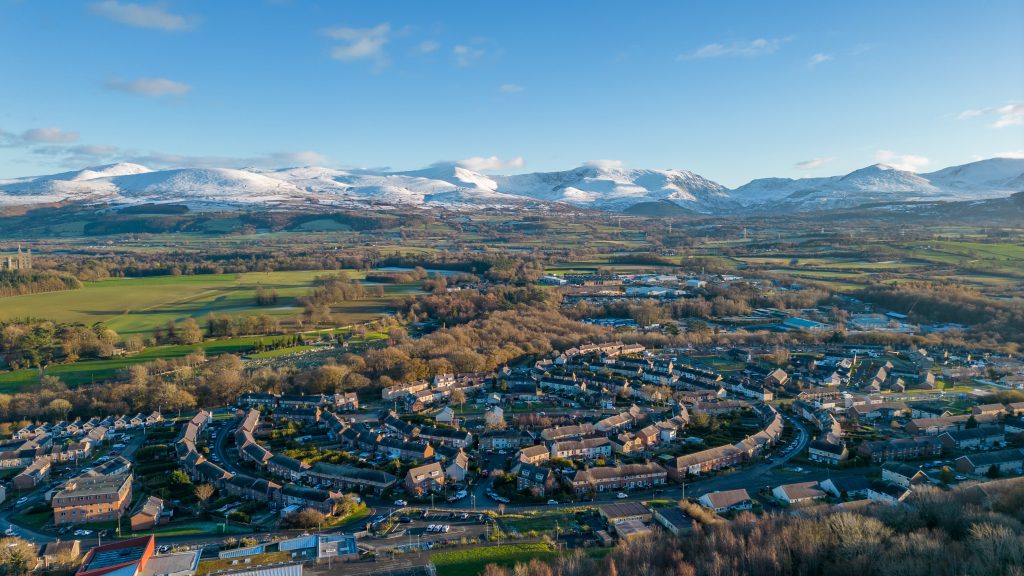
<point x="600" y="185"/>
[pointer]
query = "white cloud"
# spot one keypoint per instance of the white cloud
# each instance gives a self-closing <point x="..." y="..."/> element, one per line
<point x="428" y="46"/>
<point x="140" y="16"/>
<point x="489" y="163"/>
<point x="302" y="157"/>
<point x="467" y="55"/>
<point x="360" y="43"/>
<point x="908" y="162"/>
<point x="605" y="164"/>
<point x="1007" y="115"/>
<point x="48" y="136"/>
<point x="757" y="47"/>
<point x="150" y="86"/>
<point x="1016" y="154"/>
<point x="819" y="58"/>
<point x="812" y="163"/>
<point x="510" y="88"/>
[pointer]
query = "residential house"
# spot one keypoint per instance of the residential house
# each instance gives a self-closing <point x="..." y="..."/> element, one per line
<point x="727" y="500"/>
<point x="903" y="474"/>
<point x="457" y="467"/>
<point x="798" y="493"/>
<point x="979" y="438"/>
<point x="538" y="480"/>
<point x="879" y="451"/>
<point x="1005" y="461"/>
<point x="585" y="449"/>
<point x="888" y="493"/>
<point x="828" y="450"/>
<point x="425" y="479"/>
<point x="847" y="487"/>
<point x="397" y="449"/>
<point x="286" y="467"/>
<point x="624" y="477"/>
<point x="36" y="473"/>
<point x="351" y="478"/>
<point x="534" y="454"/>
<point x="147" y="516"/>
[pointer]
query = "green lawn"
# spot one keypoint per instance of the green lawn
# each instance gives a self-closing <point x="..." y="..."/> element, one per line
<point x="472" y="561"/>
<point x="542" y="522"/>
<point x="138" y="305"/>
<point x="187" y="529"/>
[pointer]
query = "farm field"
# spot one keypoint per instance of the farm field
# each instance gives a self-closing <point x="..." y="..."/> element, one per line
<point x="138" y="305"/>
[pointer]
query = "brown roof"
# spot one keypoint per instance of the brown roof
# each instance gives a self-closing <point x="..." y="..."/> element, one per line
<point x="727" y="498"/>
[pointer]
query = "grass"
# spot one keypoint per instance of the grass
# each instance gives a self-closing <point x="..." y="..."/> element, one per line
<point x="187" y="529"/>
<point x="282" y="352"/>
<point x="88" y="371"/>
<point x="139" y="305"/>
<point x="472" y="561"/>
<point x="537" y="522"/>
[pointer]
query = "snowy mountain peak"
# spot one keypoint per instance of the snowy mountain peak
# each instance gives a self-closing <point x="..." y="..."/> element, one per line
<point x="606" y="185"/>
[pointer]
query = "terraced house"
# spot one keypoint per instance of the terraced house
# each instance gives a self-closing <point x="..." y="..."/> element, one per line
<point x="626" y="477"/>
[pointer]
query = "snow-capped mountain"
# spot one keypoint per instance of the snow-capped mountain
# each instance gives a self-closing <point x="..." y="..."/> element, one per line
<point x="610" y="186"/>
<point x="600" y="185"/>
<point x="993" y="178"/>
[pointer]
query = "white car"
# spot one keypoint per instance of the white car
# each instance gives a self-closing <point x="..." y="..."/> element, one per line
<point x="622" y="495"/>
<point x="552" y="502"/>
<point x="432" y="528"/>
<point x="401" y="503"/>
<point x="22" y="500"/>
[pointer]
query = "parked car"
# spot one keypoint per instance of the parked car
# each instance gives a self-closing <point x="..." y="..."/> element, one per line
<point x="552" y="502"/>
<point x="401" y="503"/>
<point x="621" y="495"/>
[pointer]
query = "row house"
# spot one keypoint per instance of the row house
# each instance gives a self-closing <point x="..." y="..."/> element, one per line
<point x="308" y="401"/>
<point x="250" y="488"/>
<point x="447" y="437"/>
<point x="257" y="400"/>
<point x="302" y="415"/>
<point x="395" y="448"/>
<point x="399" y="391"/>
<point x="705" y="461"/>
<point x="900" y="449"/>
<point x="587" y="448"/>
<point x="567" y="432"/>
<point x="392" y="422"/>
<point x="1004" y="461"/>
<point x="534" y="454"/>
<point x="35" y="474"/>
<point x="286" y="467"/>
<point x="936" y="426"/>
<point x="625" y="477"/>
<point x="71" y="452"/>
<point x="828" y="450"/>
<point x="880" y="411"/>
<point x="420" y="401"/>
<point x="322" y="501"/>
<point x="211" y="473"/>
<point x="345" y="477"/>
<point x="978" y="438"/>
<point x="256" y="454"/>
<point x="505" y="439"/>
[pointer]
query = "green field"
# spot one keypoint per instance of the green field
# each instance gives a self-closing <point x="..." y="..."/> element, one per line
<point x="138" y="305"/>
<point x="472" y="561"/>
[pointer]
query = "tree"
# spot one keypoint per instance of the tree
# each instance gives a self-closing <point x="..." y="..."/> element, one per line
<point x="305" y="518"/>
<point x="190" y="332"/>
<point x="458" y="397"/>
<point x="59" y="407"/>
<point x="17" y="557"/>
<point x="203" y="494"/>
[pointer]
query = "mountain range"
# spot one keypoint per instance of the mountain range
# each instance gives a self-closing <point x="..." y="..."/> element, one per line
<point x="600" y="185"/>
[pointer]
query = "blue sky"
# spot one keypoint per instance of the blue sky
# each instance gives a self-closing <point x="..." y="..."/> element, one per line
<point x="730" y="90"/>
